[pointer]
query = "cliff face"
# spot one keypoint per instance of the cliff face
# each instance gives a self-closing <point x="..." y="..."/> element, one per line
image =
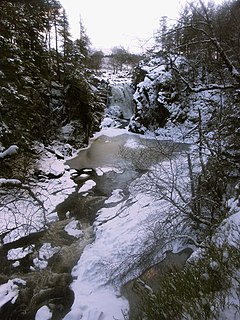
<point x="174" y="102"/>
<point x="163" y="101"/>
<point x="151" y="109"/>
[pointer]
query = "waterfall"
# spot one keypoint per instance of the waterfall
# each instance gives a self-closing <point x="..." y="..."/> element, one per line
<point x="122" y="96"/>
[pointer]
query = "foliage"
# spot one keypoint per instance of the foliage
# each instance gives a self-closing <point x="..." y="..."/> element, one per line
<point x="95" y="60"/>
<point x="200" y="55"/>
<point x="194" y="73"/>
<point x="38" y="60"/>
<point x="121" y="57"/>
<point x="78" y="100"/>
<point x="199" y="291"/>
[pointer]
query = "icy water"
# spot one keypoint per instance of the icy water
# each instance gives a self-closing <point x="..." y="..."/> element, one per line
<point x="100" y="216"/>
<point x="118" y="159"/>
<point x="124" y="151"/>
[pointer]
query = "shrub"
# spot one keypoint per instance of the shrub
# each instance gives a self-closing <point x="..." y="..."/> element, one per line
<point x="200" y="291"/>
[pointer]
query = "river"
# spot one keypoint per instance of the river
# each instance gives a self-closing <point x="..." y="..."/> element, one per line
<point x="120" y="164"/>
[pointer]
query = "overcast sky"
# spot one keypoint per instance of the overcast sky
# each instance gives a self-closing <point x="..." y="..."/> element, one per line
<point x="110" y="23"/>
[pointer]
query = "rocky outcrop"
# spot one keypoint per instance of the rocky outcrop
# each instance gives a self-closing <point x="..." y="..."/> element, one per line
<point x="152" y="97"/>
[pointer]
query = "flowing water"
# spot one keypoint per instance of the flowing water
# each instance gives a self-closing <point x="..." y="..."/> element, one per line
<point x="122" y="96"/>
<point x="116" y="159"/>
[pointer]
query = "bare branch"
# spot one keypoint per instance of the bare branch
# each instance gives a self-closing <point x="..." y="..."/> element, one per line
<point x="15" y="183"/>
<point x="199" y="89"/>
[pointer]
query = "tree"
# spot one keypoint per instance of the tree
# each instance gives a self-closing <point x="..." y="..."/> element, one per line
<point x="23" y="63"/>
<point x="95" y="60"/>
<point x="37" y="60"/>
<point x="83" y="43"/>
<point x="202" y="67"/>
<point x="121" y="57"/>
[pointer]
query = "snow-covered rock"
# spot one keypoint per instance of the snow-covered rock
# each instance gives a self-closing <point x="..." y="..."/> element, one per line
<point x="44" y="313"/>
<point x="9" y="152"/>
<point x="9" y="291"/>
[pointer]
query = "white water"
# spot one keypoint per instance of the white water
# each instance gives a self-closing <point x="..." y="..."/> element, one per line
<point x="122" y="96"/>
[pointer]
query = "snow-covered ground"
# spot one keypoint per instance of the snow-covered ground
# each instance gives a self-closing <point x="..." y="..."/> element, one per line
<point x="50" y="192"/>
<point x="123" y="227"/>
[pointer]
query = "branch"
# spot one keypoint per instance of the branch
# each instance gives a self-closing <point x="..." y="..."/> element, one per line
<point x="15" y="183"/>
<point x="234" y="72"/>
<point x="213" y="87"/>
<point x="213" y="39"/>
<point x="188" y="237"/>
<point x="198" y="89"/>
<point x="10" y="183"/>
<point x="9" y="152"/>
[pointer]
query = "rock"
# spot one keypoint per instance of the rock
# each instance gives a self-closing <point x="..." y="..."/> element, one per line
<point x="49" y="169"/>
<point x="57" y="153"/>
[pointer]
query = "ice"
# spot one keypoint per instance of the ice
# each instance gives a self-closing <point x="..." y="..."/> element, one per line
<point x="43" y="313"/>
<point x="73" y="229"/>
<point x="9" y="291"/>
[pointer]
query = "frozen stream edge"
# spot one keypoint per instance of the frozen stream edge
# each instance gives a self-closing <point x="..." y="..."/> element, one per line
<point x="121" y="231"/>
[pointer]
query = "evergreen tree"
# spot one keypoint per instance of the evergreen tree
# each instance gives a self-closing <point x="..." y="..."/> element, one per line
<point x="38" y="61"/>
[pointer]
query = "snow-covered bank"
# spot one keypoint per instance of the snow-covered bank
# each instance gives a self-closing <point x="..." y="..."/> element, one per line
<point x="52" y="186"/>
<point x="143" y="188"/>
<point x="121" y="227"/>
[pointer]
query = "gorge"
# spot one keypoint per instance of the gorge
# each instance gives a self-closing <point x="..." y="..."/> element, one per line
<point x="119" y="173"/>
<point x="106" y="211"/>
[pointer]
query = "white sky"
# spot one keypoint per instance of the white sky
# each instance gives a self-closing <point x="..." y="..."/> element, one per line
<point x="110" y="23"/>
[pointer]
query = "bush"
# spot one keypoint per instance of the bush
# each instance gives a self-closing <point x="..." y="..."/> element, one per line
<point x="199" y="291"/>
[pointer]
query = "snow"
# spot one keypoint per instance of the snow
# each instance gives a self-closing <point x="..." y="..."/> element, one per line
<point x="9" y="152"/>
<point x="9" y="291"/>
<point x="50" y="191"/>
<point x="117" y="195"/>
<point x="229" y="229"/>
<point x="73" y="228"/>
<point x="110" y="305"/>
<point x="122" y="226"/>
<point x="19" y="253"/>
<point x="100" y="171"/>
<point x="88" y="185"/>
<point x="109" y="122"/>
<point x="23" y="221"/>
<point x="52" y="166"/>
<point x="45" y="253"/>
<point x="109" y="132"/>
<point x="16" y="264"/>
<point x="56" y="190"/>
<point x="43" y="313"/>
<point x="68" y="129"/>
<point x="13" y="182"/>
<point x="120" y="231"/>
